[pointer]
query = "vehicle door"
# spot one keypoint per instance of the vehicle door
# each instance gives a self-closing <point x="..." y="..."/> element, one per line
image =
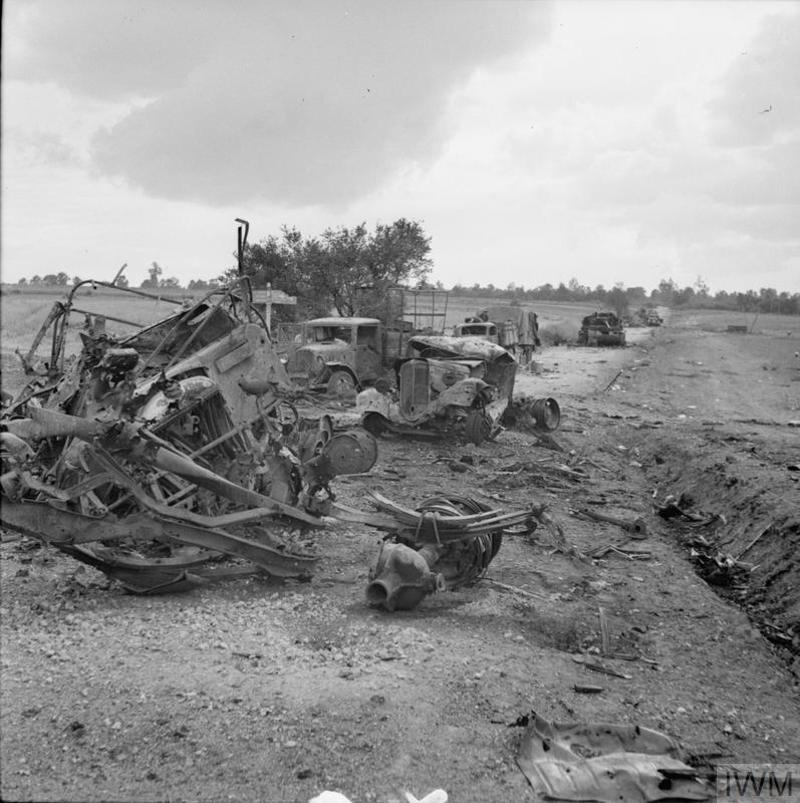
<point x="368" y="353"/>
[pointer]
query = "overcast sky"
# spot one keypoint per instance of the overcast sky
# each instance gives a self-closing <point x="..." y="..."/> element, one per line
<point x="535" y="142"/>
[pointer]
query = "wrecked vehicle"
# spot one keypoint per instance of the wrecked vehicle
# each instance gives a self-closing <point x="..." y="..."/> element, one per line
<point x="153" y="456"/>
<point x="174" y="457"/>
<point x="601" y="329"/>
<point x="446" y="385"/>
<point x="485" y="330"/>
<point x="338" y="355"/>
<point x="341" y="355"/>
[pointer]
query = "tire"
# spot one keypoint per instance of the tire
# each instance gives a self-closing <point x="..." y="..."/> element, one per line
<point x="375" y="424"/>
<point x="341" y="385"/>
<point x="285" y="416"/>
<point x="477" y="427"/>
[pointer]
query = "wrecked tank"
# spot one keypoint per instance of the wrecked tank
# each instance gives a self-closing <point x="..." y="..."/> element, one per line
<point x="601" y="329"/>
<point x="156" y="455"/>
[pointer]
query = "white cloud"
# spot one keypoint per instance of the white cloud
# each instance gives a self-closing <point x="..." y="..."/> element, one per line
<point x="308" y="102"/>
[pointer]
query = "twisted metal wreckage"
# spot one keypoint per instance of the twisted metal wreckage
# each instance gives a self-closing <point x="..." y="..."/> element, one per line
<point x="174" y="457"/>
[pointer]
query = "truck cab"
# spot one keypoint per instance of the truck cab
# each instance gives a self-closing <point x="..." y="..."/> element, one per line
<point x="485" y="330"/>
<point x="338" y="355"/>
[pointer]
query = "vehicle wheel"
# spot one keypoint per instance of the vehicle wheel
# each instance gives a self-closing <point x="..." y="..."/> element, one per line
<point x="341" y="385"/>
<point x="374" y="424"/>
<point x="285" y="415"/>
<point x="477" y="427"/>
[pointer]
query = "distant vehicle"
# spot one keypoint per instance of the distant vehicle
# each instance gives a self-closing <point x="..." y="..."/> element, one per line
<point x="601" y="329"/>
<point x="652" y="318"/>
<point x="485" y="330"/>
<point x="446" y="385"/>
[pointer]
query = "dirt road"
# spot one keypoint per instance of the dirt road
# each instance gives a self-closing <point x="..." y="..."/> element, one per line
<point x="258" y="691"/>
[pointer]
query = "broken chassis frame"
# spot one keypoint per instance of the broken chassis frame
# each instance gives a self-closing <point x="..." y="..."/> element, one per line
<point x="97" y="425"/>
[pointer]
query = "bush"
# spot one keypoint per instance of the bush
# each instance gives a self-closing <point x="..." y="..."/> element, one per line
<point x="557" y="334"/>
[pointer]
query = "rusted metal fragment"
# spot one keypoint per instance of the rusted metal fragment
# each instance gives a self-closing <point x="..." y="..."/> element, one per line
<point x="606" y="762"/>
<point x="434" y="526"/>
<point x="57" y="526"/>
<point x="446" y="543"/>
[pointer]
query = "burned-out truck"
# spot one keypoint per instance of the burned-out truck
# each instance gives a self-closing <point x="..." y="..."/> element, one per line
<point x="343" y="355"/>
<point x="445" y="385"/>
<point x="340" y="355"/>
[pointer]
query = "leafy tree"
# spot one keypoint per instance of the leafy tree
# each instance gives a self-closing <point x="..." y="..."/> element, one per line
<point x="172" y="281"/>
<point x="76" y="280"/>
<point x="37" y="279"/>
<point x="350" y="269"/>
<point x="666" y="289"/>
<point x="768" y="299"/>
<point x="22" y="282"/>
<point x="635" y="295"/>
<point x="562" y="292"/>
<point x="154" y="272"/>
<point x="618" y="299"/>
<point x="50" y="279"/>
<point x="122" y="281"/>
<point x="62" y="279"/>
<point x="701" y="289"/>
<point x="197" y="284"/>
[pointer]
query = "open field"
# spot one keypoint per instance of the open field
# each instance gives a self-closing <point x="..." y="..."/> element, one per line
<point x="23" y="313"/>
<point x="256" y="690"/>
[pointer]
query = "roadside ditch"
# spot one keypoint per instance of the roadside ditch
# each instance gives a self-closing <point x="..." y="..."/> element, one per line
<point x="731" y="502"/>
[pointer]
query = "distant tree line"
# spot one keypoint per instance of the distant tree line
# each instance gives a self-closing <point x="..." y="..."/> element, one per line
<point x="152" y="282"/>
<point x="668" y="294"/>
<point x="351" y="269"/>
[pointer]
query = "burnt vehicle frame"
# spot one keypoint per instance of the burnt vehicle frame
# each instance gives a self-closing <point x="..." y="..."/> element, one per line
<point x="150" y="456"/>
<point x="445" y="386"/>
<point x="338" y="355"/>
<point x="601" y="329"/>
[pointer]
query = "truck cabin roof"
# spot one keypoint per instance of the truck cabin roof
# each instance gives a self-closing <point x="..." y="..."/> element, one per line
<point x="343" y="322"/>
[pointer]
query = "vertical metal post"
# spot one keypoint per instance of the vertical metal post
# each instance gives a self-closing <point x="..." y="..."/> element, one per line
<point x="242" y="231"/>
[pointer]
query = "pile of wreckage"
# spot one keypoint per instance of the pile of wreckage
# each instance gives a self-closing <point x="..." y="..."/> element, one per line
<point x="177" y="455"/>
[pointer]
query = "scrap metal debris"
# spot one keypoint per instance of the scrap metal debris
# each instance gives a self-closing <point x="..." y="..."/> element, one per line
<point x="679" y="507"/>
<point x="606" y="762"/>
<point x="716" y="567"/>
<point x="154" y="455"/>
<point x="533" y="414"/>
<point x="447" y="542"/>
<point x="636" y="528"/>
